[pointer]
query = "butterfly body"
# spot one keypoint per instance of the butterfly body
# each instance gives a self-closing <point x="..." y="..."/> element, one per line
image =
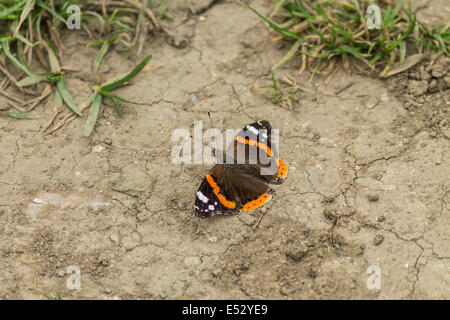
<point x="240" y="183"/>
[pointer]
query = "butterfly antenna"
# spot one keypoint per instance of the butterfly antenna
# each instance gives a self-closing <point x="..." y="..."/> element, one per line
<point x="210" y="122"/>
<point x="203" y="143"/>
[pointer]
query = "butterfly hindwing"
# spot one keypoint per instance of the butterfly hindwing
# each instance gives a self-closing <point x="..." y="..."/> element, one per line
<point x="209" y="195"/>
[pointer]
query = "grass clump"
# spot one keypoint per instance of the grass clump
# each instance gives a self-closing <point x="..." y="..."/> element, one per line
<point x="324" y="31"/>
<point x="31" y="29"/>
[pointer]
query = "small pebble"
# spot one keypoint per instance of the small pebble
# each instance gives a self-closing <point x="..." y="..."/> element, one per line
<point x="108" y="141"/>
<point x="192" y="261"/>
<point x="97" y="148"/>
<point x="217" y="272"/>
<point x="378" y="239"/>
<point x="287" y="290"/>
<point x="297" y="252"/>
<point x="312" y="272"/>
<point x="114" y="238"/>
<point x="373" y="197"/>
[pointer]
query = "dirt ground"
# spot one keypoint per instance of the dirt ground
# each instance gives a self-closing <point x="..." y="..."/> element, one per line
<point x="367" y="189"/>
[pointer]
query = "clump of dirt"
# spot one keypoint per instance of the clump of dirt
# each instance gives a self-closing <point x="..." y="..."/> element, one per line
<point x="424" y="92"/>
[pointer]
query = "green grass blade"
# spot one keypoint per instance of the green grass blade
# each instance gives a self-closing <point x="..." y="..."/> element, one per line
<point x="289" y="54"/>
<point x="101" y="53"/>
<point x="31" y="80"/>
<point x="88" y="102"/>
<point x="51" y="11"/>
<point x="278" y="5"/>
<point x="99" y="17"/>
<point x="18" y="115"/>
<point x="144" y="188"/>
<point x="139" y="21"/>
<point x="311" y="25"/>
<point x="65" y="94"/>
<point x="53" y="60"/>
<point x="38" y="24"/>
<point x="391" y="47"/>
<point x="93" y="115"/>
<point x="117" y="107"/>
<point x="117" y="83"/>
<point x="402" y="46"/>
<point x="109" y="94"/>
<point x="58" y="99"/>
<point x="15" y="7"/>
<point x="273" y="25"/>
<point x="14" y="61"/>
<point x="21" y="55"/>
<point x="26" y="10"/>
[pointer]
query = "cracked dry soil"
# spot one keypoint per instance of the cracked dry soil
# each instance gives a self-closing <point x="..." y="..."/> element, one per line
<point x="368" y="181"/>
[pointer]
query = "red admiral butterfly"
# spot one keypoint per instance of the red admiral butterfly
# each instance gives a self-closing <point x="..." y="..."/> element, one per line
<point x="240" y="184"/>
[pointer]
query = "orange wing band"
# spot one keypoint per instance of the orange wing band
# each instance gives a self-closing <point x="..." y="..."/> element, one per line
<point x="216" y="190"/>
<point x="262" y="199"/>
<point x="252" y="143"/>
<point x="282" y="168"/>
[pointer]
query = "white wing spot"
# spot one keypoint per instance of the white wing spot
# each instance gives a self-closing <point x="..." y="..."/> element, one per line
<point x="253" y="129"/>
<point x="202" y="197"/>
<point x="211" y="207"/>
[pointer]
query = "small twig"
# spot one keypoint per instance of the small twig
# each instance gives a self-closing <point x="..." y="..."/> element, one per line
<point x="104" y="12"/>
<point x="55" y="114"/>
<point x="4" y="83"/>
<point x="35" y="102"/>
<point x="11" y="97"/>
<point x="15" y="106"/>
<point x="30" y="33"/>
<point x="127" y="191"/>
<point x="61" y="123"/>
<point x="148" y="11"/>
<point x="11" y="77"/>
<point x="344" y="87"/>
<point x="67" y="119"/>
<point x="142" y="37"/>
